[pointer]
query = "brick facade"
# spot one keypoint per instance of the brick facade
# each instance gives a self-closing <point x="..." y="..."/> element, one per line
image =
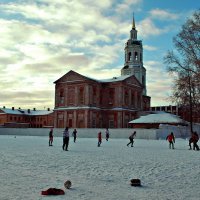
<point x="83" y="102"/>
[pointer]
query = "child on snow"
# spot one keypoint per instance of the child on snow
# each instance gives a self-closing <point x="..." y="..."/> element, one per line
<point x="131" y="137"/>
<point x="171" y="140"/>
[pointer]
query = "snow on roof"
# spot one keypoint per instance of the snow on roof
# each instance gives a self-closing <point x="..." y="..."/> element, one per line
<point x="161" y="117"/>
<point x="26" y="111"/>
<point x="115" y="79"/>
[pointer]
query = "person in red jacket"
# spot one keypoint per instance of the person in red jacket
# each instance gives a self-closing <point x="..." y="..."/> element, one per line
<point x="171" y="140"/>
<point x="99" y="139"/>
<point x="195" y="139"/>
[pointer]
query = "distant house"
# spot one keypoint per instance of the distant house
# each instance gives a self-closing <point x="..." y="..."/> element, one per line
<point x="24" y="118"/>
<point x="155" y="119"/>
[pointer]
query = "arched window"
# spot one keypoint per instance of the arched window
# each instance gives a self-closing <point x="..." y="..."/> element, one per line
<point x="94" y="95"/>
<point x="136" y="55"/>
<point x="111" y="95"/>
<point x="81" y="96"/>
<point x="126" y="96"/>
<point x="71" y="96"/>
<point x="61" y="96"/>
<point x="129" y="56"/>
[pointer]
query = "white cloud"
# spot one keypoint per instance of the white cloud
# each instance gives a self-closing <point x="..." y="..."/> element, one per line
<point x="150" y="48"/>
<point x="126" y="5"/>
<point x="147" y="28"/>
<point x="159" y="83"/>
<point x="163" y="14"/>
<point x="50" y="37"/>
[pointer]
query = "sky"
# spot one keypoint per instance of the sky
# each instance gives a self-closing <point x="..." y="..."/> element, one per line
<point x="41" y="40"/>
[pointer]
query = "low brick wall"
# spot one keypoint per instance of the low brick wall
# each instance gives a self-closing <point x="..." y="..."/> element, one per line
<point x="81" y="133"/>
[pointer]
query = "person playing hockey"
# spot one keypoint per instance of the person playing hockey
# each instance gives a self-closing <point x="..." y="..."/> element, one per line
<point x="107" y="134"/>
<point x="171" y="140"/>
<point x="74" y="134"/>
<point x="51" y="137"/>
<point x="99" y="139"/>
<point x="195" y="139"/>
<point x="131" y="137"/>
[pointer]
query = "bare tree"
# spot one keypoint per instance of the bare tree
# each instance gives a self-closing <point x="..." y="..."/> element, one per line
<point x="185" y="63"/>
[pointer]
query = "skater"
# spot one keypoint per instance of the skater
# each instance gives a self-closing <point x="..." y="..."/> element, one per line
<point x="107" y="134"/>
<point x="131" y="137"/>
<point x="74" y="134"/>
<point x="65" y="139"/>
<point x="171" y="140"/>
<point x="99" y="139"/>
<point x="195" y="138"/>
<point x="51" y="137"/>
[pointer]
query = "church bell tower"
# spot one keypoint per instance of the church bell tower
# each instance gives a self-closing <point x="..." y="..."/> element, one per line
<point x="133" y="64"/>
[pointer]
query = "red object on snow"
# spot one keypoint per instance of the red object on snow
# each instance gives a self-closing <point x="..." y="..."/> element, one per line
<point x="53" y="191"/>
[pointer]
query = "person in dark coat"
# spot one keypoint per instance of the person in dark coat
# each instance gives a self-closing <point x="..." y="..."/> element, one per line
<point x="74" y="134"/>
<point x="99" y="139"/>
<point x="190" y="142"/>
<point x="51" y="137"/>
<point x="107" y="134"/>
<point x="65" y="139"/>
<point x="171" y="140"/>
<point x="131" y="137"/>
<point x="195" y="138"/>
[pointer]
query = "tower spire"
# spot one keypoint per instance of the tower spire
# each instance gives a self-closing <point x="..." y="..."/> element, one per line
<point x="133" y="23"/>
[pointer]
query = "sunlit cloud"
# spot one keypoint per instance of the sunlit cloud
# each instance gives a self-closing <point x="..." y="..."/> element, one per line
<point x="163" y="14"/>
<point x="42" y="40"/>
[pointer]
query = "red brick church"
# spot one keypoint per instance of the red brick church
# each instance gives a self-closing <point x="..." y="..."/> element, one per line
<point x="83" y="102"/>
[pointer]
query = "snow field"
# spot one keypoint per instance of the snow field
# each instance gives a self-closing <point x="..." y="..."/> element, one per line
<point x="28" y="166"/>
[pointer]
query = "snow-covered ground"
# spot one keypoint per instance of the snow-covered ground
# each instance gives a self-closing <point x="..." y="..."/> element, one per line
<point x="28" y="166"/>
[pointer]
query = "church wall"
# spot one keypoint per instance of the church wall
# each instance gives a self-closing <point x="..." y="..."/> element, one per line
<point x="96" y="108"/>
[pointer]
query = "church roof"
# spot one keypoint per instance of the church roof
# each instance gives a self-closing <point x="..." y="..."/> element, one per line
<point x="114" y="79"/>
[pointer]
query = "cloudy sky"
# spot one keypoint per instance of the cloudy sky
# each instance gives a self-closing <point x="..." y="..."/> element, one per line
<point x="41" y="40"/>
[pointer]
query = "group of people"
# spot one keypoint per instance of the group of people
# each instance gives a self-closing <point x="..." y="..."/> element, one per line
<point x="65" y="138"/>
<point x="194" y="139"/>
<point x="170" y="138"/>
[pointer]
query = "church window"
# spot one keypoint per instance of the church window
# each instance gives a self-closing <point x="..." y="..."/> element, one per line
<point x="81" y="96"/>
<point x="111" y="95"/>
<point x="61" y="96"/>
<point x="140" y="57"/>
<point x="136" y="55"/>
<point x="129" y="56"/>
<point x="111" y="123"/>
<point x="132" y="99"/>
<point x="94" y="95"/>
<point x="71" y="96"/>
<point x="126" y="96"/>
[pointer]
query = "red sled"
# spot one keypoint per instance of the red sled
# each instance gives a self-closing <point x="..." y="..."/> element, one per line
<point x="53" y="191"/>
